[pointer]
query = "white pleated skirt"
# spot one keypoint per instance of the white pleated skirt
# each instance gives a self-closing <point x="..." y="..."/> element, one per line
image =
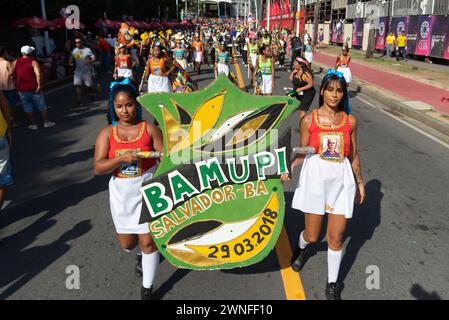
<point x="325" y="186"/>
<point x="124" y="73"/>
<point x="221" y="67"/>
<point x="267" y="84"/>
<point x="253" y="59"/>
<point x="347" y="73"/>
<point x="308" y="56"/>
<point x="159" y="84"/>
<point x="198" y="56"/>
<point x="126" y="203"/>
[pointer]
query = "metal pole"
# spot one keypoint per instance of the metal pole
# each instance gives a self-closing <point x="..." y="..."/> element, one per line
<point x="257" y="14"/>
<point x="268" y="15"/>
<point x="47" y="39"/>
<point x="177" y="10"/>
<point x="198" y="9"/>
<point x="298" y="10"/>
<point x="316" y="18"/>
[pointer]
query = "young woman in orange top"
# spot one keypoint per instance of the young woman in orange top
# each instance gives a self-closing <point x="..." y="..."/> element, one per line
<point x="117" y="153"/>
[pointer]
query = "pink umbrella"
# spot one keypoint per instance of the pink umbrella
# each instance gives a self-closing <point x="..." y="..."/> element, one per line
<point x="33" y="22"/>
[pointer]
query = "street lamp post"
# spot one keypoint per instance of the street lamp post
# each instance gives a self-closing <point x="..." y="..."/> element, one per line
<point x="298" y="9"/>
<point x="47" y="39"/>
<point x="268" y="15"/>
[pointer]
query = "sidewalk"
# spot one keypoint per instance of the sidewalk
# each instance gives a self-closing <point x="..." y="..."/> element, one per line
<point x="410" y="90"/>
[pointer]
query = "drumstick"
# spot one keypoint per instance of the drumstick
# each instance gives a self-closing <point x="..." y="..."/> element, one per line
<point x="304" y="150"/>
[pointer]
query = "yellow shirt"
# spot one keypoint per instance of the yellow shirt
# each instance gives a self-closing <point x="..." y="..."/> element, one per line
<point x="402" y="41"/>
<point x="391" y="39"/>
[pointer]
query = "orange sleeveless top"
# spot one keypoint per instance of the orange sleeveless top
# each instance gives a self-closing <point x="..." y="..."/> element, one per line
<point x="343" y="62"/>
<point x="332" y="143"/>
<point x="124" y="62"/>
<point x="142" y="142"/>
<point x="157" y="68"/>
<point x="198" y="45"/>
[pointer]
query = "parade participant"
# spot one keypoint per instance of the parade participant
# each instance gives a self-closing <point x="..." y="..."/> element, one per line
<point x="342" y="64"/>
<point x="198" y="52"/>
<point x="296" y="48"/>
<point x="29" y="86"/>
<point x="265" y="39"/>
<point x="116" y="152"/>
<point x="281" y="53"/>
<point x="158" y="80"/>
<point x="7" y="85"/>
<point x="302" y="80"/>
<point x="252" y="61"/>
<point x="123" y="64"/>
<point x="265" y="65"/>
<point x="308" y="52"/>
<point x="83" y="58"/>
<point x="326" y="183"/>
<point x="222" y="60"/>
<point x="5" y="143"/>
<point x="179" y="53"/>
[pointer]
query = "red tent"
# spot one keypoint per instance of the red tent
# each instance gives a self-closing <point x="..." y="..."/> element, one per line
<point x="33" y="22"/>
<point x="107" y="23"/>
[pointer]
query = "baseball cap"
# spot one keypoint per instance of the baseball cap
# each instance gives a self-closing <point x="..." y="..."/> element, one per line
<point x="26" y="50"/>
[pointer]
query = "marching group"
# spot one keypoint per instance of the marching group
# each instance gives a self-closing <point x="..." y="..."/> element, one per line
<point x="162" y="60"/>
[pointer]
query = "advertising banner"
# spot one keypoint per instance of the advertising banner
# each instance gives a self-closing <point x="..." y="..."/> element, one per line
<point x="412" y="33"/>
<point x="440" y="27"/>
<point x="424" y="37"/>
<point x="357" y="32"/>
<point x="381" y="33"/>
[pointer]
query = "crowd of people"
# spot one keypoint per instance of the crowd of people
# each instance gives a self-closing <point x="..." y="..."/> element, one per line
<point x="163" y="60"/>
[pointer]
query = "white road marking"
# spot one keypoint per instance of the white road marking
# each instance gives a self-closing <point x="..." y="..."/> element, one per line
<point x="407" y="124"/>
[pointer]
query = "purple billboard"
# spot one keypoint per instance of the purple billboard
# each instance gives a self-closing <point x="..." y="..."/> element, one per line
<point x="412" y="33"/>
<point x="357" y="32"/>
<point x="381" y="33"/>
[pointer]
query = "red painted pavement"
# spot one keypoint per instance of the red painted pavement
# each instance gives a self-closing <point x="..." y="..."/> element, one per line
<point x="409" y="89"/>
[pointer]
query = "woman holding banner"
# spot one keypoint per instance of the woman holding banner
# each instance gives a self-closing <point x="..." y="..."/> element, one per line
<point x="331" y="178"/>
<point x="122" y="149"/>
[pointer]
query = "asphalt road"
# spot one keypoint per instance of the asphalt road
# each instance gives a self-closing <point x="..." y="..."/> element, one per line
<point x="57" y="215"/>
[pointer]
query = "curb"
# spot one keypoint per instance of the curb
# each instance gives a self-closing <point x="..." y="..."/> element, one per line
<point x="395" y="105"/>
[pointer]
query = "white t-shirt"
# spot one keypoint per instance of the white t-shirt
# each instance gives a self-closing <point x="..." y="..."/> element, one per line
<point x="81" y="56"/>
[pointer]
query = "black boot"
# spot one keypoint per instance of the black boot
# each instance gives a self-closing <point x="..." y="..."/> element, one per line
<point x="332" y="292"/>
<point x="145" y="293"/>
<point x="138" y="269"/>
<point x="300" y="259"/>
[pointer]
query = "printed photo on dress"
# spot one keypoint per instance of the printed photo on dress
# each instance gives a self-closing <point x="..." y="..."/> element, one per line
<point x="331" y="145"/>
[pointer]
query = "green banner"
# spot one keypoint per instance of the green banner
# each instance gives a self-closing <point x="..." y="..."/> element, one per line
<point x="216" y="201"/>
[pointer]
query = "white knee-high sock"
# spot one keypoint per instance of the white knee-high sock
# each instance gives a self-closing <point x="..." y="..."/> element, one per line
<point x="150" y="263"/>
<point x="302" y="243"/>
<point x="333" y="264"/>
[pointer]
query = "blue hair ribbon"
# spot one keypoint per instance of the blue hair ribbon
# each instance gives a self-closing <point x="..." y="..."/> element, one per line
<point x="332" y="72"/>
<point x="115" y="84"/>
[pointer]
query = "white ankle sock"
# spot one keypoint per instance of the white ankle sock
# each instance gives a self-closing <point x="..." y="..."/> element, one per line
<point x="333" y="264"/>
<point x="150" y="263"/>
<point x="302" y="243"/>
